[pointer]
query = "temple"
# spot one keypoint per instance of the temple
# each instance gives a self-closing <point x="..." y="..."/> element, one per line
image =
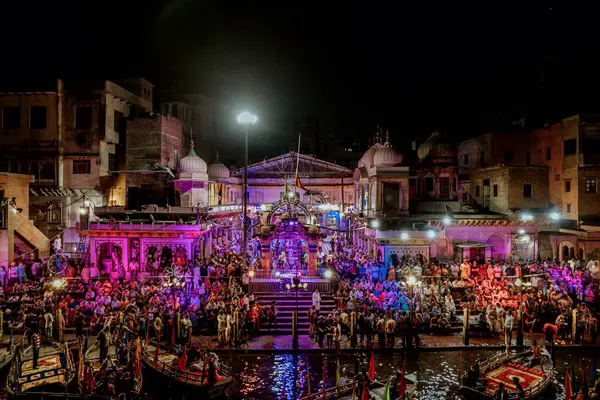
<point x="419" y="205"/>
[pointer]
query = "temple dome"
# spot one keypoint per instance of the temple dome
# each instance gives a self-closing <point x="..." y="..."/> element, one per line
<point x="367" y="160"/>
<point x="436" y="146"/>
<point x="387" y="156"/>
<point x="191" y="164"/>
<point x="217" y="170"/>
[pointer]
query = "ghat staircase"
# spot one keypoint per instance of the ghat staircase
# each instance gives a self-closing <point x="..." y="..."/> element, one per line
<point x="286" y="305"/>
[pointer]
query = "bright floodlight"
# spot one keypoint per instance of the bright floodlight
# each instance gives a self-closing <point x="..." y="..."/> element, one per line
<point x="431" y="234"/>
<point x="521" y="231"/>
<point x="411" y="280"/>
<point x="291" y="194"/>
<point x="328" y="274"/>
<point x="404" y="236"/>
<point x="247" y="118"/>
<point x="526" y="217"/>
<point x="447" y="220"/>
<point x="57" y="283"/>
<point x="263" y="207"/>
<point x="554" y="216"/>
<point x="251" y="274"/>
<point x="82" y="210"/>
<point x="375" y="224"/>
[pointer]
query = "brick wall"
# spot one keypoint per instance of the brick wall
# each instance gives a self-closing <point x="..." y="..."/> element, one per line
<point x="510" y="183"/>
<point x="153" y="140"/>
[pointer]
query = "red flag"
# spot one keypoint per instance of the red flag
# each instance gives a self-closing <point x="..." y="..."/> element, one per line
<point x="568" y="390"/>
<point x="300" y="185"/>
<point x="402" y="383"/>
<point x="582" y="370"/>
<point x="182" y="362"/>
<point x="372" y="367"/>
<point x="365" y="393"/>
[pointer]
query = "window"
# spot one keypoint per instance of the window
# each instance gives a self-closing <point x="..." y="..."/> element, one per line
<point x="481" y="156"/>
<point x="590" y="185"/>
<point x="11" y="117"/>
<point x="568" y="208"/>
<point x="466" y="159"/>
<point x="82" y="167"/>
<point x="528" y="158"/>
<point x="557" y="177"/>
<point x="429" y="183"/>
<point x="83" y="117"/>
<point x="567" y="186"/>
<point x="548" y="153"/>
<point x="527" y="190"/>
<point x="38" y="118"/>
<point x="495" y="190"/>
<point x="175" y="111"/>
<point x="112" y="162"/>
<point x="477" y="191"/>
<point x="570" y="147"/>
<point x="508" y="155"/>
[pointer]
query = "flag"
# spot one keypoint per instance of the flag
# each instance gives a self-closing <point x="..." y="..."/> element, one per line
<point x="568" y="389"/>
<point x="402" y="383"/>
<point x="582" y="370"/>
<point x="338" y="377"/>
<point x="365" y="393"/>
<point x="593" y="370"/>
<point x="372" y="367"/>
<point x="182" y="362"/>
<point x="386" y="392"/>
<point x="300" y="185"/>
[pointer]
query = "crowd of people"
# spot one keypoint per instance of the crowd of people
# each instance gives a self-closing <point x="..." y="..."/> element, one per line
<point x="403" y="300"/>
<point x="373" y="302"/>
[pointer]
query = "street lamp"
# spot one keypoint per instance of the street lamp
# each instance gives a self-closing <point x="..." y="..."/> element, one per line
<point x="246" y="119"/>
<point x="447" y="220"/>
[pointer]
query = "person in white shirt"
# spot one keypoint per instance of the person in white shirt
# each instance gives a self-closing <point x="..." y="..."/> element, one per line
<point x="316" y="300"/>
<point x="509" y="322"/>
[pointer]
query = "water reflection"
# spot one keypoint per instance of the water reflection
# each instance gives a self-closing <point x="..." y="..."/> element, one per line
<point x="268" y="377"/>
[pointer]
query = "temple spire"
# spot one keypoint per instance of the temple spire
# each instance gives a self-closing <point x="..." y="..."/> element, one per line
<point x="387" y="135"/>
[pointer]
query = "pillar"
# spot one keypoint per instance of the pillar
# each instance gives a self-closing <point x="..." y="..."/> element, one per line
<point x="466" y="326"/>
<point x="265" y="251"/>
<point x="313" y="257"/>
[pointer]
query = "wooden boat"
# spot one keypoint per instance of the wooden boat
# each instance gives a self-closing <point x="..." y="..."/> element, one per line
<point x="501" y="369"/>
<point x="95" y="377"/>
<point x="375" y="388"/>
<point x="54" y="372"/>
<point x="164" y="361"/>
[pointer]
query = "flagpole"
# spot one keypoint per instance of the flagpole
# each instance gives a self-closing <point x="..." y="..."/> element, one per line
<point x="297" y="162"/>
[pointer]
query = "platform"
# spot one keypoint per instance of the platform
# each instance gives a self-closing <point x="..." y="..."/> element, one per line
<point x="274" y="285"/>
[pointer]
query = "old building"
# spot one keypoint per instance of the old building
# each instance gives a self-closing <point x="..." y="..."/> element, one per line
<point x="19" y="238"/>
<point x="70" y="136"/>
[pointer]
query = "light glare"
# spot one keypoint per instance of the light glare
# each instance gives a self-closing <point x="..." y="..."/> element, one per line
<point x="247" y="118"/>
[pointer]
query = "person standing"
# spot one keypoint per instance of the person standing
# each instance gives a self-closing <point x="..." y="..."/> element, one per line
<point x="49" y="321"/>
<point x="316" y="300"/>
<point x="158" y="327"/>
<point x="104" y="343"/>
<point x="36" y="348"/>
<point x="509" y="322"/>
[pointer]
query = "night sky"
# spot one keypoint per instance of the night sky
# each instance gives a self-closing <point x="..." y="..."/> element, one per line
<point x="413" y="66"/>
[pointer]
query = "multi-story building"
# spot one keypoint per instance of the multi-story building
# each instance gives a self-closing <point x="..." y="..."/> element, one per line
<point x="70" y="137"/>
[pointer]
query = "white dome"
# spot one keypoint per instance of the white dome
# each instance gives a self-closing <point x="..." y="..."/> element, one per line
<point x="191" y="164"/>
<point x="386" y="155"/>
<point x="367" y="159"/>
<point x="217" y="170"/>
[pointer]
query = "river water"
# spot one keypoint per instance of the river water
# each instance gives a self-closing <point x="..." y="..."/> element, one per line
<point x="268" y="376"/>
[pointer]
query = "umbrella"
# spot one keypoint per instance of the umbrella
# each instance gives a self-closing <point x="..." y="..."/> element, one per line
<point x="372" y="367"/>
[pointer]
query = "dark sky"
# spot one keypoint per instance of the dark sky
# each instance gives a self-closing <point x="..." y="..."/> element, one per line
<point x="414" y="66"/>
